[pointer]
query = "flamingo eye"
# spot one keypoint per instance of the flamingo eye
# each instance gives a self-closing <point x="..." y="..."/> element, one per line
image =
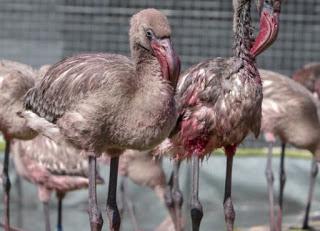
<point x="149" y="34"/>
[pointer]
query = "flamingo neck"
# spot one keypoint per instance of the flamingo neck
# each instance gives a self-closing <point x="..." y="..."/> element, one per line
<point x="146" y="65"/>
<point x="242" y="31"/>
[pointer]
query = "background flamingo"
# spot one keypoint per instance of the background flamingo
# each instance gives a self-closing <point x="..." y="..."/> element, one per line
<point x="52" y="168"/>
<point x="109" y="103"/>
<point x="15" y="80"/>
<point x="290" y="112"/>
<point x="309" y="76"/>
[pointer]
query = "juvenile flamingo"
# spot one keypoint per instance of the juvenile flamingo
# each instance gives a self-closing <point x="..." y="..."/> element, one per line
<point x="309" y="76"/>
<point x="290" y="112"/>
<point x="52" y="168"/>
<point x="109" y="103"/>
<point x="15" y="80"/>
<point x="221" y="102"/>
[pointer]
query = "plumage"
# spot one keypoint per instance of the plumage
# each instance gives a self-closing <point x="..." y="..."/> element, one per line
<point x="309" y="76"/>
<point x="109" y="103"/>
<point x="220" y="104"/>
<point x="290" y="112"/>
<point x="52" y="168"/>
<point x="44" y="163"/>
<point x="15" y="80"/>
<point x="100" y="95"/>
<point x="219" y="99"/>
<point x="214" y="100"/>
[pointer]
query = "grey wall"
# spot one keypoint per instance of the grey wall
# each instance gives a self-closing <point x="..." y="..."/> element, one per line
<point x="40" y="32"/>
<point x="43" y="31"/>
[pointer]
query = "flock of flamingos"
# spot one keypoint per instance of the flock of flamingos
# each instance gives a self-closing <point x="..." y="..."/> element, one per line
<point x="61" y="120"/>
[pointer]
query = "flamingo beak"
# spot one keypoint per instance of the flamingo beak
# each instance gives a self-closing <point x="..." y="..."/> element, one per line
<point x="269" y="26"/>
<point x="168" y="59"/>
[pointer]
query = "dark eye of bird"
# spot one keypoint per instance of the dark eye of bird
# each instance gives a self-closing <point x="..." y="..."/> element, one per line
<point x="149" y="34"/>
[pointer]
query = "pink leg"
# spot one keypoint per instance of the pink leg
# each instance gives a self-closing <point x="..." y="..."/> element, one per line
<point x="44" y="195"/>
<point x="46" y="211"/>
<point x="282" y="183"/>
<point x="270" y="179"/>
<point x="177" y="195"/>
<point x="127" y="204"/>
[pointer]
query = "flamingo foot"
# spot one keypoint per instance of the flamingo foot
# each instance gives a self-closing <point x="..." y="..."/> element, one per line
<point x="229" y="213"/>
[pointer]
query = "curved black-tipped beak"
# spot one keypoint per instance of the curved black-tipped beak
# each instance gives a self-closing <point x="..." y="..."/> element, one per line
<point x="168" y="58"/>
<point x="269" y="25"/>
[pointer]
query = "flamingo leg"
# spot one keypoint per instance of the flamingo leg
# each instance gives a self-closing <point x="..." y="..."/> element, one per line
<point x="282" y="184"/>
<point x="18" y="184"/>
<point x="177" y="195"/>
<point x="6" y="186"/>
<point x="313" y="175"/>
<point x="96" y="220"/>
<point x="196" y="207"/>
<point x="168" y="198"/>
<point x="112" y="208"/>
<point x="270" y="180"/>
<point x="46" y="212"/>
<point x="60" y="197"/>
<point x="127" y="203"/>
<point x="229" y="212"/>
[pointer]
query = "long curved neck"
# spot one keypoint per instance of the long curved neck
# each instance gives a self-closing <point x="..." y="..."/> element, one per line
<point x="242" y="29"/>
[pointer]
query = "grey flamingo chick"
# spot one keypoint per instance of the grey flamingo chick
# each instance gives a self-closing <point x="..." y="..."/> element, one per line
<point x="15" y="80"/>
<point x="52" y="168"/>
<point x="221" y="103"/>
<point x="290" y="112"/>
<point x="309" y="76"/>
<point x="109" y="103"/>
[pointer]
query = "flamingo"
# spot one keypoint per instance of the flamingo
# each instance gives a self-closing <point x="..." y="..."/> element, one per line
<point x="309" y="76"/>
<point x="52" y="168"/>
<point x="290" y="112"/>
<point x="221" y="102"/>
<point x="110" y="103"/>
<point x="15" y="80"/>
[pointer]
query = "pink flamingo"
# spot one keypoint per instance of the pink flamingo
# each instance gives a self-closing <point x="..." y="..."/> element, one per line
<point x="15" y="80"/>
<point x="309" y="76"/>
<point x="109" y="103"/>
<point x="52" y="168"/>
<point x="221" y="102"/>
<point x="290" y="112"/>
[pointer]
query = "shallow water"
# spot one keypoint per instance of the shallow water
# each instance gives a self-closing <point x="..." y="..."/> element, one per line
<point x="249" y="197"/>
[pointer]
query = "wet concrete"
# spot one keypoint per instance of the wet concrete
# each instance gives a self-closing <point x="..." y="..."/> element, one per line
<point x="249" y="196"/>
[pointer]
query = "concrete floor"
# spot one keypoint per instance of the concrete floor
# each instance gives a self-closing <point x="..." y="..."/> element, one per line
<point x="249" y="196"/>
